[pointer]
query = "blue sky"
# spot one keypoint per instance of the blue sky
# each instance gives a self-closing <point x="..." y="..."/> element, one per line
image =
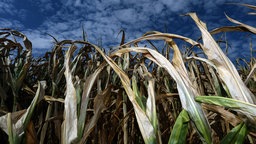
<point x="103" y="19"/>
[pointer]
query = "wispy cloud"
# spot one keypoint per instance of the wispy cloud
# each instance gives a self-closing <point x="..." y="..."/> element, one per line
<point x="45" y="5"/>
<point x="40" y="40"/>
<point x="7" y="7"/>
<point x="104" y="19"/>
<point x="13" y="24"/>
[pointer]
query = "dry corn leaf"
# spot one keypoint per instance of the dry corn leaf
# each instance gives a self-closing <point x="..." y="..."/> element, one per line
<point x="249" y="28"/>
<point x="145" y="126"/>
<point x="31" y="134"/>
<point x="85" y="98"/>
<point x="228" y="29"/>
<point x="186" y="94"/>
<point x="69" y="125"/>
<point x="252" y="74"/>
<point x="52" y="99"/>
<point x="100" y="104"/>
<point x="246" y="5"/>
<point x="225" y="68"/>
<point x="202" y="124"/>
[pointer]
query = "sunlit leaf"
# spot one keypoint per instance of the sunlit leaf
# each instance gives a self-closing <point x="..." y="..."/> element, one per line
<point x="225" y="68"/>
<point x="69" y="125"/>
<point x="234" y="104"/>
<point x="185" y="92"/>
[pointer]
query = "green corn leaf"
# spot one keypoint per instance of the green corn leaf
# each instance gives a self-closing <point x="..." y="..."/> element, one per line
<point x="38" y="97"/>
<point x="236" y="136"/>
<point x="11" y="137"/>
<point x="137" y="94"/>
<point x="17" y="121"/>
<point x="180" y="129"/>
<point x="237" y="105"/>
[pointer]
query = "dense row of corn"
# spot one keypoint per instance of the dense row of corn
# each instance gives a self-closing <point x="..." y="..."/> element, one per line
<point x="79" y="93"/>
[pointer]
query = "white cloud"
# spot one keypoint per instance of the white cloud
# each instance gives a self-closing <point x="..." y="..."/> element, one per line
<point x="62" y="26"/>
<point x="104" y="19"/>
<point x="44" y="5"/>
<point x="126" y="15"/>
<point x="14" y="24"/>
<point x="39" y="40"/>
<point x="6" y="6"/>
<point x="175" y="6"/>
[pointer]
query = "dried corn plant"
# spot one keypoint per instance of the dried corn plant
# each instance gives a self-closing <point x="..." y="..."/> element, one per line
<point x="78" y="93"/>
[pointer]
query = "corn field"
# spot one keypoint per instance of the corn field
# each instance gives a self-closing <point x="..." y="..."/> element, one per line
<point x="134" y="93"/>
